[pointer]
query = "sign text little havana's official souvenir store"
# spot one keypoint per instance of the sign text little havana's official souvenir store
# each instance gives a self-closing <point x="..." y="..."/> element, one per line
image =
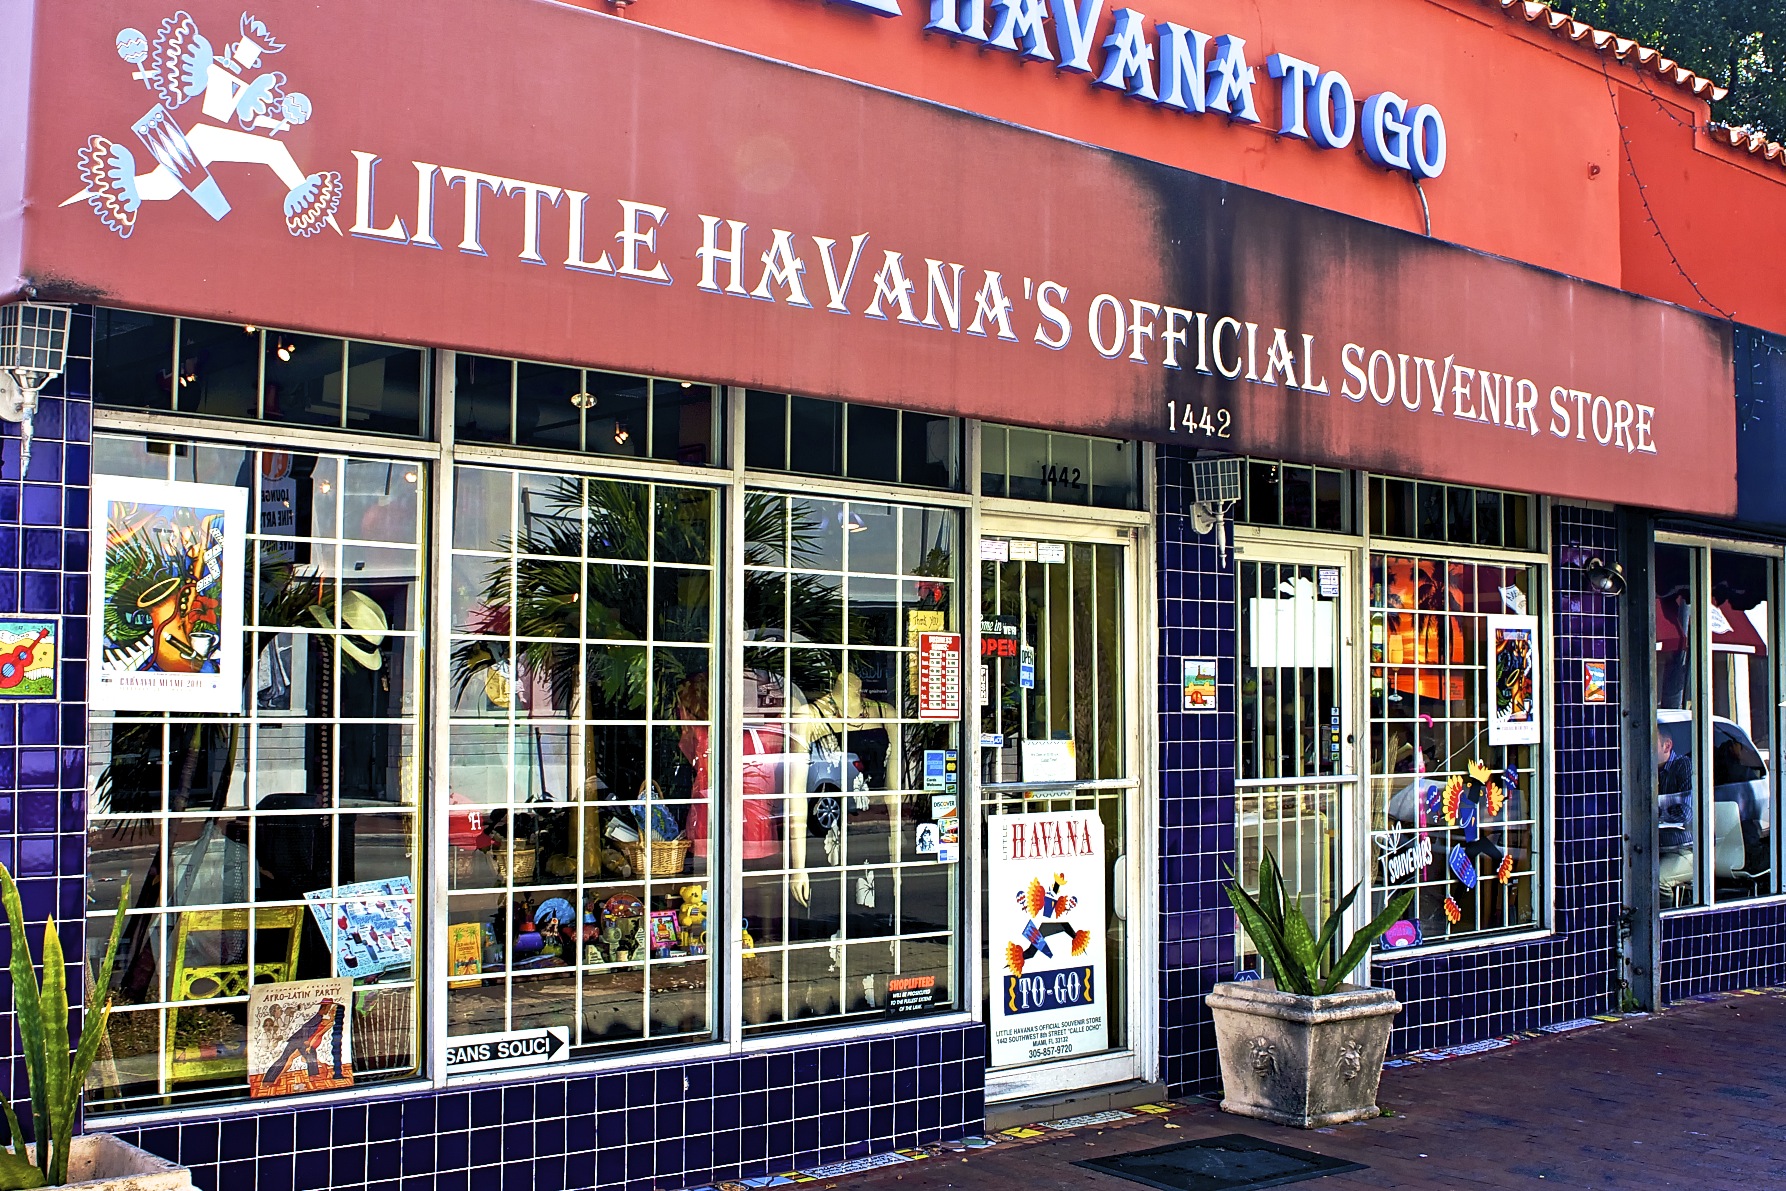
<point x="861" y="277"/>
<point x="1185" y="70"/>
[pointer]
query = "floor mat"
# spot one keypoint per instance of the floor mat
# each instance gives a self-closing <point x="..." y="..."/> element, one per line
<point x="1231" y="1162"/>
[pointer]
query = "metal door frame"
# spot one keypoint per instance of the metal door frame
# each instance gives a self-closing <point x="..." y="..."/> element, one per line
<point x="1352" y="815"/>
<point x="1138" y="1058"/>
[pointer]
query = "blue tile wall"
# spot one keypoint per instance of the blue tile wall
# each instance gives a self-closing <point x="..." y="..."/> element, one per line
<point x="1196" y="782"/>
<point x="1721" y="949"/>
<point x="1448" y="999"/>
<point x="43" y="573"/>
<point x="675" y="1125"/>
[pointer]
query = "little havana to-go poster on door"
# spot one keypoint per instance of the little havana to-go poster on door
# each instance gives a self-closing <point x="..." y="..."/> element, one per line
<point x="168" y="634"/>
<point x="1045" y="890"/>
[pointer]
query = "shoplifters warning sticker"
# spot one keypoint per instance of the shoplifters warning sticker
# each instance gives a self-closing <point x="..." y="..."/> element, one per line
<point x="1045" y="889"/>
<point x="939" y="676"/>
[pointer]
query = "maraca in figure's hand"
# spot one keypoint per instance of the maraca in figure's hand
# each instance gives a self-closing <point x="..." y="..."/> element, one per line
<point x="133" y="47"/>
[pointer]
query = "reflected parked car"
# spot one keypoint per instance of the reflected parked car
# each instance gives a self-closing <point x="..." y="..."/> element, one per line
<point x="1742" y="801"/>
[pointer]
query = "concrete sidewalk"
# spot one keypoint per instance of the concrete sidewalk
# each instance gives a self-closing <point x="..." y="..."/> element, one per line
<point x="1694" y="1097"/>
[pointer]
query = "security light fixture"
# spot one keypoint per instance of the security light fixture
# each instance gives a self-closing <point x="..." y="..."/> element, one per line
<point x="1215" y="488"/>
<point x="33" y="352"/>
<point x="1607" y="580"/>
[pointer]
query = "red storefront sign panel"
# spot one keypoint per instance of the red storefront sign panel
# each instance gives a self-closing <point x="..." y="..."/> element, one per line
<point x="523" y="179"/>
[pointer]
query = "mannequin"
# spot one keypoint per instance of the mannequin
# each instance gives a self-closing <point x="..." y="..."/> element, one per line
<point x="843" y="724"/>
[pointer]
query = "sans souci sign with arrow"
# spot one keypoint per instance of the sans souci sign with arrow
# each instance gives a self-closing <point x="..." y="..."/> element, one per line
<point x="518" y="1048"/>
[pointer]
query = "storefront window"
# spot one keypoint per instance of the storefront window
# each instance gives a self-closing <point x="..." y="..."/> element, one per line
<point x="1069" y="469"/>
<point x="237" y="370"/>
<point x="815" y="437"/>
<point x="1714" y="682"/>
<point x="580" y="837"/>
<point x="1456" y="669"/>
<point x="1293" y="496"/>
<point x="1428" y="512"/>
<point x="555" y="408"/>
<point x="847" y="887"/>
<point x="278" y="844"/>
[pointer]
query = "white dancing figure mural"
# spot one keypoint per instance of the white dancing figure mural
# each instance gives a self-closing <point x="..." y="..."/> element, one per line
<point x="241" y="115"/>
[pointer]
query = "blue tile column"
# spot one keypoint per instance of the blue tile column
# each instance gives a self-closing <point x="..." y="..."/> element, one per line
<point x="1196" y="781"/>
<point x="43" y="573"/>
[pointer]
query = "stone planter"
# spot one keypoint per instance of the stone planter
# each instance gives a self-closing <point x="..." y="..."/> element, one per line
<point x="100" y="1162"/>
<point x="1302" y="1061"/>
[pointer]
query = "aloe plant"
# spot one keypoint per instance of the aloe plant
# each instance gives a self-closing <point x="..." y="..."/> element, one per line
<point x="56" y="1071"/>
<point x="1300" y="960"/>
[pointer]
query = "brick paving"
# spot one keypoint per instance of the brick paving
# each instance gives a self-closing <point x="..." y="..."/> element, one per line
<point x="1694" y="1097"/>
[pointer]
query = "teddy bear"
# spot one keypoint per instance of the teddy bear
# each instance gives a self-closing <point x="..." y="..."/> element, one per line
<point x="694" y="919"/>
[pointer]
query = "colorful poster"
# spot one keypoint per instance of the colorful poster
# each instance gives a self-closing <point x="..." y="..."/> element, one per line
<point x="168" y="631"/>
<point x="465" y="953"/>
<point x="939" y="676"/>
<point x="1045" y="892"/>
<point x="1593" y="680"/>
<point x="1199" y="685"/>
<point x="374" y="925"/>
<point x="1514" y="713"/>
<point x="29" y="650"/>
<point x="300" y="1037"/>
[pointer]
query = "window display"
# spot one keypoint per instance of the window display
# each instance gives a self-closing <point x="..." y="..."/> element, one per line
<point x="580" y="757"/>
<point x="275" y="845"/>
<point x="1454" y="814"/>
<point x="1714" y="686"/>
<point x="840" y="895"/>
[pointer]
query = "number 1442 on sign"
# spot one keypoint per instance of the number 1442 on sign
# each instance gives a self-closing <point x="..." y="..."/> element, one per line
<point x="1199" y="419"/>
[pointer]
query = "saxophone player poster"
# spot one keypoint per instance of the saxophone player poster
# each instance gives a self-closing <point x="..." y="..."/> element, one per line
<point x="167" y="632"/>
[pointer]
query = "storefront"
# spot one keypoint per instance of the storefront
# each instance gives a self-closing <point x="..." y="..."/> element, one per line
<point x="1713" y="784"/>
<point x="761" y="644"/>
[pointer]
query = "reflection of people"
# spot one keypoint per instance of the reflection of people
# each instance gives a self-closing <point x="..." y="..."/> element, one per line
<point x="1674" y="794"/>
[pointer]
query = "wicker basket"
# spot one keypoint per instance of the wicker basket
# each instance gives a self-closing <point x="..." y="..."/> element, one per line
<point x="526" y="859"/>
<point x="661" y="858"/>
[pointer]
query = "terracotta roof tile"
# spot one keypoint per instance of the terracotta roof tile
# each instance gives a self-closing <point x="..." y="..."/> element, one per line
<point x="1751" y="142"/>
<point x="1622" y="48"/>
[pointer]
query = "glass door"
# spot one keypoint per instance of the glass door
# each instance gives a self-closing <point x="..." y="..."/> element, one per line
<point x="1296" y="781"/>
<point x="1058" y="778"/>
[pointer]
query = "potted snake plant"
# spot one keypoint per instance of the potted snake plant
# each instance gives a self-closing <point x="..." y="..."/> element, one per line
<point x="1302" y="1047"/>
<point x="57" y="1071"/>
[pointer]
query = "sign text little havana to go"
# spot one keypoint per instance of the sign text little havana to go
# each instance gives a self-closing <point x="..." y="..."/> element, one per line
<point x="1168" y="65"/>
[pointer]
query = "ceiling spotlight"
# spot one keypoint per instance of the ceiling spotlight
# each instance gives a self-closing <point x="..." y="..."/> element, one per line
<point x="688" y="384"/>
<point x="853" y="523"/>
<point x="621" y="434"/>
<point x="249" y="328"/>
<point x="583" y="400"/>
<point x="410" y="476"/>
<point x="285" y="351"/>
<point x="1607" y="580"/>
